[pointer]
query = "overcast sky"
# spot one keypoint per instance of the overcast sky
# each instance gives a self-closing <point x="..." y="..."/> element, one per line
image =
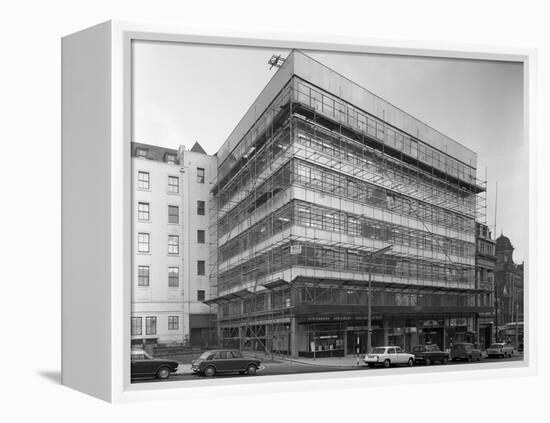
<point x="185" y="93"/>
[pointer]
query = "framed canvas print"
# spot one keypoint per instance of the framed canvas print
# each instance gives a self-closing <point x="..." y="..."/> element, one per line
<point x="254" y="214"/>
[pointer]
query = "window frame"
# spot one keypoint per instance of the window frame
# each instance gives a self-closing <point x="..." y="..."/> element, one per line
<point x="134" y="332"/>
<point x="171" y="207"/>
<point x="141" y="182"/>
<point x="139" y="243"/>
<point x="171" y="190"/>
<point x="149" y="319"/>
<point x="148" y="212"/>
<point x="201" y="177"/>
<point x="199" y="264"/>
<point x="171" y="278"/>
<point x="171" y="245"/>
<point x="171" y="320"/>
<point x="199" y="291"/>
<point x="201" y="205"/>
<point x="143" y="267"/>
<point x="201" y="232"/>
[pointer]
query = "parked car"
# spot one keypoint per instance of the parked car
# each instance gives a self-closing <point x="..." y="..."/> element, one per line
<point x="428" y="354"/>
<point x="143" y="365"/>
<point x="500" y="349"/>
<point x="225" y="361"/>
<point x="465" y="351"/>
<point x="387" y="356"/>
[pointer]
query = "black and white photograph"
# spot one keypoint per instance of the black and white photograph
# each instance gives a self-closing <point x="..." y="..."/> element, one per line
<point x="309" y="211"/>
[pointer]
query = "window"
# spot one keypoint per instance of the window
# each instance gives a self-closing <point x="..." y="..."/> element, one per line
<point x="141" y="152"/>
<point x="173" y="184"/>
<point x="200" y="208"/>
<point x="143" y="275"/>
<point x="144" y="244"/>
<point x="173" y="322"/>
<point x="200" y="236"/>
<point x="143" y="180"/>
<point x="173" y="244"/>
<point x="150" y="325"/>
<point x="200" y="175"/>
<point x="136" y="325"/>
<point x="200" y="268"/>
<point x="173" y="214"/>
<point x="170" y="158"/>
<point x="200" y="295"/>
<point x="143" y="211"/>
<point x="174" y="277"/>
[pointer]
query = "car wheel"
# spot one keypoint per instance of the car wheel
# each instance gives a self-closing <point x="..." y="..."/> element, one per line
<point x="251" y="370"/>
<point x="410" y="363"/>
<point x="163" y="373"/>
<point x="387" y="363"/>
<point x="469" y="359"/>
<point x="209" y="371"/>
<point x="445" y="360"/>
<point x="478" y="358"/>
<point x="370" y="364"/>
<point x="428" y="361"/>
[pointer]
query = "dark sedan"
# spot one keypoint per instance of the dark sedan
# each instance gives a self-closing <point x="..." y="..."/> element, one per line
<point x="429" y="354"/>
<point x="143" y="365"/>
<point x="225" y="361"/>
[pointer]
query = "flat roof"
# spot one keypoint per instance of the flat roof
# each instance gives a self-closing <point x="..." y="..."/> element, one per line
<point x="301" y="65"/>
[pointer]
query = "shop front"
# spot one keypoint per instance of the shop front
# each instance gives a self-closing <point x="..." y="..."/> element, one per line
<point x="324" y="340"/>
<point x="357" y="336"/>
<point x="460" y="330"/>
<point x="432" y="331"/>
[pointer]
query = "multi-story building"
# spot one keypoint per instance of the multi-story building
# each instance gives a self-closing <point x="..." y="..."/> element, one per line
<point x="485" y="280"/>
<point x="170" y="266"/>
<point x="319" y="175"/>
<point x="509" y="286"/>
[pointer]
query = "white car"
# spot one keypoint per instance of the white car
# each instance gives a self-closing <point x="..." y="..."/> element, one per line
<point x="388" y="356"/>
<point x="500" y="349"/>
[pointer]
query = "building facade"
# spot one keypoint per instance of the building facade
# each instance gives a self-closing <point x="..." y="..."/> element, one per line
<point x="485" y="280"/>
<point x="170" y="265"/>
<point x="509" y="290"/>
<point x="317" y="176"/>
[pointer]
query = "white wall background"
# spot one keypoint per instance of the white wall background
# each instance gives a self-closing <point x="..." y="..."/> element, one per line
<point x="30" y="175"/>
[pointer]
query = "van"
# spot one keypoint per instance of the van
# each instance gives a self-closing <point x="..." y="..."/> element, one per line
<point x="465" y="351"/>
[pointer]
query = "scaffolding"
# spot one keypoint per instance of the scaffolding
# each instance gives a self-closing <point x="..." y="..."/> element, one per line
<point x="317" y="184"/>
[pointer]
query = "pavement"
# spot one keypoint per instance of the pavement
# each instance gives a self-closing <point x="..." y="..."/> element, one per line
<point x="348" y="362"/>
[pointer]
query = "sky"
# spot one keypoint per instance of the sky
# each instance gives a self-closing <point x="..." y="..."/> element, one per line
<point x="183" y="93"/>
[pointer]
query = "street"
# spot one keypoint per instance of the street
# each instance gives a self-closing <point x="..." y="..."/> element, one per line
<point x="281" y="367"/>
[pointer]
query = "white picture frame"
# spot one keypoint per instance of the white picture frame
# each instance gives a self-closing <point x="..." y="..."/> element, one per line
<point x="96" y="128"/>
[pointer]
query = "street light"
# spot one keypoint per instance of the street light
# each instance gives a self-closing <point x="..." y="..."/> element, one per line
<point x="369" y="298"/>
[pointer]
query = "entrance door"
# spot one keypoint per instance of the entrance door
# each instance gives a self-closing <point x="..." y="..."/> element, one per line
<point x="357" y="340"/>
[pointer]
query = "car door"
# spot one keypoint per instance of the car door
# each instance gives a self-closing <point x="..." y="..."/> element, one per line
<point x="392" y="355"/>
<point x="222" y="361"/>
<point x="401" y="356"/>
<point x="238" y="363"/>
<point x="141" y="365"/>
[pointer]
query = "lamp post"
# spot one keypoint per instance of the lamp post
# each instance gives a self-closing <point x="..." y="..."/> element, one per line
<point x="369" y="297"/>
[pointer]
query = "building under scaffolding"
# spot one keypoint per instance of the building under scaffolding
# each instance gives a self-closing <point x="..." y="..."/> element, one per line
<point x="318" y="175"/>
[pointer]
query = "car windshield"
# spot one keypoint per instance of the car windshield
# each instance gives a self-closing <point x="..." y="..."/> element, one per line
<point x="140" y="355"/>
<point x="378" y="351"/>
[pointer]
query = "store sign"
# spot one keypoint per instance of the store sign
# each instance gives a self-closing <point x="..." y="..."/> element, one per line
<point x="458" y="322"/>
<point x="432" y="323"/>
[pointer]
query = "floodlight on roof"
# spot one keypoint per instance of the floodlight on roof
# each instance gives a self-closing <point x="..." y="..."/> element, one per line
<point x="276" y="60"/>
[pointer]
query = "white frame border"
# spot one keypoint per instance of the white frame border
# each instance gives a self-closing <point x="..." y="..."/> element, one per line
<point x="122" y="34"/>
